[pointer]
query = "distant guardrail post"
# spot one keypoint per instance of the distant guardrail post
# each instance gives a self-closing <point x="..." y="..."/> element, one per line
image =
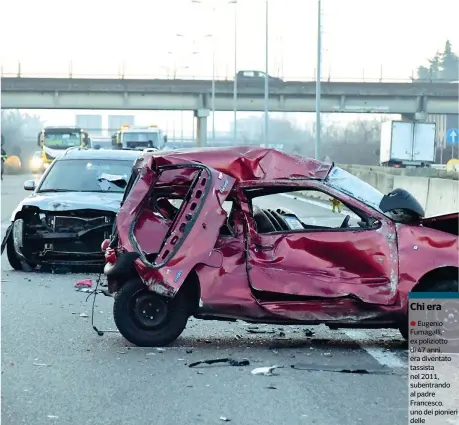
<point x="19" y="69"/>
<point x="70" y="69"/>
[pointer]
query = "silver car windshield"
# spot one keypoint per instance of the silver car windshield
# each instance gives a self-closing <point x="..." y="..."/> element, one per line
<point x="351" y="185"/>
<point x="86" y="175"/>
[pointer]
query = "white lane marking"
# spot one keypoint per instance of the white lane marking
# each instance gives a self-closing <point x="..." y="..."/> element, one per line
<point x="383" y="357"/>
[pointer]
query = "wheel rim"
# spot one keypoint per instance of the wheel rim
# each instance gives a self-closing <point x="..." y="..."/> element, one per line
<point x="148" y="310"/>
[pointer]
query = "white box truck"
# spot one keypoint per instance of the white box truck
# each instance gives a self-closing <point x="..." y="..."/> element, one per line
<point x="405" y="143"/>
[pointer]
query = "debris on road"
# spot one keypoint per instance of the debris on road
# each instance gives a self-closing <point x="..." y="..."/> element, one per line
<point x="271" y="387"/>
<point x="160" y="350"/>
<point x="259" y="331"/>
<point x="53" y="417"/>
<point x="41" y="364"/>
<point x="87" y="290"/>
<point x="266" y="370"/>
<point x="328" y="354"/>
<point x="224" y="419"/>
<point x="383" y="370"/>
<point x="85" y="283"/>
<point x="309" y="332"/>
<point x="231" y="362"/>
<point x="83" y="315"/>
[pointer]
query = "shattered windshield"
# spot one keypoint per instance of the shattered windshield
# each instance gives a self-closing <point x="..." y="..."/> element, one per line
<point x="351" y="185"/>
<point x="82" y="175"/>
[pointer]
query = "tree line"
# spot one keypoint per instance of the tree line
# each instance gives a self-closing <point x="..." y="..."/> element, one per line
<point x="442" y="66"/>
<point x="355" y="142"/>
<point x="19" y="133"/>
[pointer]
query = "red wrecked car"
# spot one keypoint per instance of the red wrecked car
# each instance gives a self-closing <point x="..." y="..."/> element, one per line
<point x="192" y="238"/>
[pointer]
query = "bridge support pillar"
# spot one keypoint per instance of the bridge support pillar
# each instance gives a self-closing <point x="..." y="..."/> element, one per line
<point x="201" y="133"/>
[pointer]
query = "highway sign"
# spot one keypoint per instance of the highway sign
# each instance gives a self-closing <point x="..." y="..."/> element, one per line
<point x="452" y="136"/>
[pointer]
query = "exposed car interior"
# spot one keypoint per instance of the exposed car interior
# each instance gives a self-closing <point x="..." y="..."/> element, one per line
<point x="167" y="205"/>
<point x="269" y="219"/>
<point x="282" y="219"/>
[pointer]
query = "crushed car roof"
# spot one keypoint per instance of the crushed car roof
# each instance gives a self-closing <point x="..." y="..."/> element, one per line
<point x="245" y="163"/>
<point x="79" y="153"/>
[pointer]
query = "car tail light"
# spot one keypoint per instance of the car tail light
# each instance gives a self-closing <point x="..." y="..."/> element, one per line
<point x="105" y="245"/>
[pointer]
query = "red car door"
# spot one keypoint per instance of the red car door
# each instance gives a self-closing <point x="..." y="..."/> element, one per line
<point x="338" y="263"/>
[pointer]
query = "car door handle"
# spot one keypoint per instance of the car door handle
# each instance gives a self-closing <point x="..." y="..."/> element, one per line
<point x="264" y="247"/>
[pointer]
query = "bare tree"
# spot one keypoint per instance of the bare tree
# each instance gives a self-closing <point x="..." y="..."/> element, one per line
<point x="355" y="143"/>
<point x="19" y="132"/>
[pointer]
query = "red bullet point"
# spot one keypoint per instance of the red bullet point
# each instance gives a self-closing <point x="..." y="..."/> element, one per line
<point x="413" y="323"/>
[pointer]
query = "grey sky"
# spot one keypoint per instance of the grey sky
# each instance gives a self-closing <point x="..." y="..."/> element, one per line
<point x="359" y="35"/>
<point x="361" y="38"/>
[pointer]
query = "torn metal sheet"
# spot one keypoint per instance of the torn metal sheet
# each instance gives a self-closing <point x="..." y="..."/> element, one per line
<point x="382" y="370"/>
<point x="231" y="362"/>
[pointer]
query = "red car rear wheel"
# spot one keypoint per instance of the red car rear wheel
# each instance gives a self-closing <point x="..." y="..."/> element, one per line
<point x="146" y="319"/>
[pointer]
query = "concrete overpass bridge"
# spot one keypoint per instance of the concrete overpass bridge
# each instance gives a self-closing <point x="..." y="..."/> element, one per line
<point x="413" y="100"/>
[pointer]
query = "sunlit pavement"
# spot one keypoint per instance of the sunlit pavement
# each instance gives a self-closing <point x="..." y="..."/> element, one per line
<point x="57" y="370"/>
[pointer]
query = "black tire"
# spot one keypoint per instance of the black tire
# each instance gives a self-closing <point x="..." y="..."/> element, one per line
<point x="128" y="323"/>
<point x="445" y="285"/>
<point x="13" y="258"/>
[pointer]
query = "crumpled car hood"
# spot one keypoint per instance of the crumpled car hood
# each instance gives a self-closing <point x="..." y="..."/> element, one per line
<point x="69" y="201"/>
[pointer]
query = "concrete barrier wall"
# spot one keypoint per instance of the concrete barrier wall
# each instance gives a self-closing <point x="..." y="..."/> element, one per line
<point x="436" y="195"/>
<point x="409" y="172"/>
<point x="442" y="197"/>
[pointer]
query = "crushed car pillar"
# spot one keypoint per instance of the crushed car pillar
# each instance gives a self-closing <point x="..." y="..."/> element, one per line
<point x="201" y="133"/>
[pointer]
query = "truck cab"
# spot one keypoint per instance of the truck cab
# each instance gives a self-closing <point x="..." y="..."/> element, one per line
<point x="139" y="138"/>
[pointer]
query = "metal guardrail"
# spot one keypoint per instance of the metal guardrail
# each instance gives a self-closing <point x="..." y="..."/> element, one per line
<point x="207" y="78"/>
<point x="20" y="71"/>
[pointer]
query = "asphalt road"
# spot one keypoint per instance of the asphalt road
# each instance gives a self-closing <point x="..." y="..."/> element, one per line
<point x="57" y="370"/>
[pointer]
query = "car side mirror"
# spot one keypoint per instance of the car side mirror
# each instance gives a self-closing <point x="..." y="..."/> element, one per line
<point x="29" y="185"/>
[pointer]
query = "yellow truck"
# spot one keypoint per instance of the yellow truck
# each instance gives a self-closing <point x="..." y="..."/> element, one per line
<point x="53" y="141"/>
<point x="139" y="138"/>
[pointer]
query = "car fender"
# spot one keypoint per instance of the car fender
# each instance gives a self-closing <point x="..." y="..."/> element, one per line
<point x="17" y="210"/>
<point x="422" y="250"/>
